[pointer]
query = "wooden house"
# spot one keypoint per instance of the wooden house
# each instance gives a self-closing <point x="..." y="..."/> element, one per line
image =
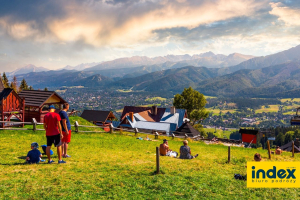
<point x="37" y="102"/>
<point x="98" y="117"/>
<point x="186" y="129"/>
<point x="11" y="106"/>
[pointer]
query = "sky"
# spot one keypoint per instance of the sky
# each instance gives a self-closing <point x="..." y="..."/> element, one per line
<point x="56" y="33"/>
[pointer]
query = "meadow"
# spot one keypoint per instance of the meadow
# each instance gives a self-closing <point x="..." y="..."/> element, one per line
<point x="119" y="166"/>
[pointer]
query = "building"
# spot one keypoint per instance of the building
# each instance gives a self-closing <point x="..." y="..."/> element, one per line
<point x="98" y="117"/>
<point x="11" y="106"/>
<point x="148" y="119"/>
<point x="37" y="103"/>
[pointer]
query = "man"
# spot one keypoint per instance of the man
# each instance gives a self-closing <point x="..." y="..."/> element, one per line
<point x="164" y="148"/>
<point x="53" y="133"/>
<point x="278" y="150"/>
<point x="66" y="129"/>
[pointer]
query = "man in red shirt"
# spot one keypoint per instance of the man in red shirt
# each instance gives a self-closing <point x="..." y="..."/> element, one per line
<point x="53" y="133"/>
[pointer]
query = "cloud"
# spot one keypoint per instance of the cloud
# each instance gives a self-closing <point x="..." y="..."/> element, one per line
<point x="290" y="16"/>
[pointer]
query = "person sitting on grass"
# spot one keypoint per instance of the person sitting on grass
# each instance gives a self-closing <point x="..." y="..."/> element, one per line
<point x="164" y="148"/>
<point x="185" y="151"/>
<point x="257" y="157"/>
<point x="34" y="156"/>
<point x="278" y="151"/>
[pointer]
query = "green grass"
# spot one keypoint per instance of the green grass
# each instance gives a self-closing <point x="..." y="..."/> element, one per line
<point x="105" y="166"/>
<point x="216" y="111"/>
<point x="272" y="108"/>
<point x="124" y="90"/>
<point x="289" y="99"/>
<point x="220" y="133"/>
<point x="156" y="99"/>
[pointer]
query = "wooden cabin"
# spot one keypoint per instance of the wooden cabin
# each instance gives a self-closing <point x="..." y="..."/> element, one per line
<point x="11" y="106"/>
<point x="98" y="117"/>
<point x="37" y="102"/>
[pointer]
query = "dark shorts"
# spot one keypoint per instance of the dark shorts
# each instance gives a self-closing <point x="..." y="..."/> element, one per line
<point x="54" y="139"/>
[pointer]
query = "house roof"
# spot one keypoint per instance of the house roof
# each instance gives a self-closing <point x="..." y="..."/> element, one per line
<point x="5" y="92"/>
<point x="144" y="112"/>
<point x="38" y="98"/>
<point x="187" y="128"/>
<point x="288" y="147"/>
<point x="96" y="115"/>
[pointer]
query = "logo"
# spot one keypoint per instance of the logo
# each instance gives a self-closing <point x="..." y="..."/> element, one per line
<point x="273" y="174"/>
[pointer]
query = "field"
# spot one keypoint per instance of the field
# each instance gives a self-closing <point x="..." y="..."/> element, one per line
<point x="156" y="99"/>
<point x="216" y="111"/>
<point x="220" y="133"/>
<point x="272" y="108"/>
<point x="117" y="166"/>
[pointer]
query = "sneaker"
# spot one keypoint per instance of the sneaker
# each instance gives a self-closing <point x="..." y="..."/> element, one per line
<point x="42" y="160"/>
<point x="50" y="161"/>
<point x="196" y="156"/>
<point x="67" y="156"/>
<point x="61" y="162"/>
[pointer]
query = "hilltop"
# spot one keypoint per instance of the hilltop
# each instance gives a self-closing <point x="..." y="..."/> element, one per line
<point x="120" y="166"/>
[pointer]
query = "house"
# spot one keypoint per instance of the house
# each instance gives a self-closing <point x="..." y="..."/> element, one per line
<point x="98" y="117"/>
<point x="289" y="146"/>
<point x="37" y="102"/>
<point x="148" y="119"/>
<point x="188" y="129"/>
<point x="11" y="105"/>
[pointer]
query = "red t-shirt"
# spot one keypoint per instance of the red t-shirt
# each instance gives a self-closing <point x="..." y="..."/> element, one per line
<point x="51" y="120"/>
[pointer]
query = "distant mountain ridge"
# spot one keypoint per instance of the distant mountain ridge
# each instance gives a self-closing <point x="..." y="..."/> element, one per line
<point x="27" y="69"/>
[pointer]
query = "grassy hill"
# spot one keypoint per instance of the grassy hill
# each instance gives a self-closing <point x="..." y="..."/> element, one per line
<point x="118" y="166"/>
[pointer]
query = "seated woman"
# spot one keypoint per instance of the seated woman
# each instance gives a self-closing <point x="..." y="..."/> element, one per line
<point x="185" y="151"/>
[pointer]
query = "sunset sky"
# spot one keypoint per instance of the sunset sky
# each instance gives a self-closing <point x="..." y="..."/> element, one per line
<point x="56" y="33"/>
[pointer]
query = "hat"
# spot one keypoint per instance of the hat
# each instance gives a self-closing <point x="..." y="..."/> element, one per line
<point x="35" y="145"/>
<point x="51" y="107"/>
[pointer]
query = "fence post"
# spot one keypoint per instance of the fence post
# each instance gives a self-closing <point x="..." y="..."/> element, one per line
<point x="156" y="135"/>
<point x="136" y="131"/>
<point x="157" y="160"/>
<point x="269" y="151"/>
<point x="228" y="154"/>
<point x="34" y="122"/>
<point x="186" y="136"/>
<point x="111" y="129"/>
<point x="293" y="149"/>
<point x="76" y="126"/>
<point x="173" y="136"/>
<point x="121" y="131"/>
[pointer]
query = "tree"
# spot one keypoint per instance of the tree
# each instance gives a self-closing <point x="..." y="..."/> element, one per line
<point x="197" y="115"/>
<point x="23" y="85"/>
<point x="5" y="80"/>
<point x="288" y="137"/>
<point x="13" y="84"/>
<point x="279" y="139"/>
<point x="30" y="88"/>
<point x="190" y="100"/>
<point x="46" y="89"/>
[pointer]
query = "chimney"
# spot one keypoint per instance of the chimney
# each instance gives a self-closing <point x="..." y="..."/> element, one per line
<point x="173" y="110"/>
<point x="131" y="116"/>
<point x="154" y="110"/>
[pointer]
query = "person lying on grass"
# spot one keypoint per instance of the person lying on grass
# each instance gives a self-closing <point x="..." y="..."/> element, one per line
<point x="165" y="151"/>
<point x="34" y="156"/>
<point x="185" y="151"/>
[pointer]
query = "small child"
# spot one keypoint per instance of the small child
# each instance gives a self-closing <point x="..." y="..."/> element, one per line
<point x="257" y="157"/>
<point x="34" y="156"/>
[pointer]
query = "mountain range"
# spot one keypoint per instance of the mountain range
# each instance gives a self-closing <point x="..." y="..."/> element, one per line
<point x="269" y="76"/>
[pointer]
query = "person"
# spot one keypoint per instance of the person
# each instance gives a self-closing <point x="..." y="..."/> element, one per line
<point x="34" y="156"/>
<point x="257" y="157"/>
<point x="165" y="150"/>
<point x="66" y="129"/>
<point x="53" y="133"/>
<point x="185" y="151"/>
<point x="278" y="151"/>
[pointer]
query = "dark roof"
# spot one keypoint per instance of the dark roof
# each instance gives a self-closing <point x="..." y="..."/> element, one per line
<point x="288" y="147"/>
<point x="37" y="98"/>
<point x="5" y="92"/>
<point x="187" y="128"/>
<point x="96" y="115"/>
<point x="248" y="131"/>
<point x="134" y="109"/>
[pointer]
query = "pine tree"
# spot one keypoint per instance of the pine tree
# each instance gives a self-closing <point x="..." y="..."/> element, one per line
<point x="46" y="89"/>
<point x="5" y="80"/>
<point x="13" y="84"/>
<point x="30" y="88"/>
<point x="23" y="85"/>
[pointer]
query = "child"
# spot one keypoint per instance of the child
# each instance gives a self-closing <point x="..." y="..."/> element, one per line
<point x="257" y="157"/>
<point x="34" y="156"/>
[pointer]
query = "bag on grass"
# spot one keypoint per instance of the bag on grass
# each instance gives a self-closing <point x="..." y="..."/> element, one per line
<point x="44" y="149"/>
